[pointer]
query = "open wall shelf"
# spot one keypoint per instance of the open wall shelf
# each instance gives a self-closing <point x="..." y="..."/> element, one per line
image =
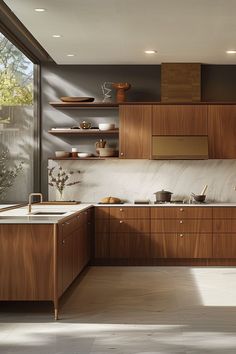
<point x="84" y="132"/>
<point x="89" y="105"/>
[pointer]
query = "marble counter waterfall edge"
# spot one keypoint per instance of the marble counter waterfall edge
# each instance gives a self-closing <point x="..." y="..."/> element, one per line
<point x="139" y="179"/>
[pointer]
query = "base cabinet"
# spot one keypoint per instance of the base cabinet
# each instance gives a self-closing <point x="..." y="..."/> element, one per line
<point x="129" y="246"/>
<point x="181" y="245"/>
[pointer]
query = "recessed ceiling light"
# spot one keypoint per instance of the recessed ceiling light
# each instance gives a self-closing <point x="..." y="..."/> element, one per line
<point x="39" y="10"/>
<point x="151" y="51"/>
<point x="70" y="55"/>
<point x="232" y="51"/>
<point x="56" y="36"/>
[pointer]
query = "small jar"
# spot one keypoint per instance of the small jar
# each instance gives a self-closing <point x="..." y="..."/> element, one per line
<point x="74" y="152"/>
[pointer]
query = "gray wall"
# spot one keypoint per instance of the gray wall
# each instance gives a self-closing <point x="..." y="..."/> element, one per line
<point x="218" y="84"/>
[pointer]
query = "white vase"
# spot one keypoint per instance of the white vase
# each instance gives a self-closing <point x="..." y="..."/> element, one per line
<point x="59" y="196"/>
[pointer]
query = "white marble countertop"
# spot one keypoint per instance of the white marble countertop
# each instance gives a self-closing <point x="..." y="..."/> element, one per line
<point x="6" y="206"/>
<point x="169" y="205"/>
<point x="21" y="215"/>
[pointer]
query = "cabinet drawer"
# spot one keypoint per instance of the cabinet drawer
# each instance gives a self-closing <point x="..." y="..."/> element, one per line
<point x="181" y="212"/>
<point x="102" y="226"/>
<point x="224" y="225"/>
<point x="129" y="246"/>
<point x="224" y="245"/>
<point x="177" y="245"/>
<point x="224" y="213"/>
<point x="181" y="225"/>
<point x="130" y="225"/>
<point x="129" y="213"/>
<point x="102" y="212"/>
<point x="69" y="226"/>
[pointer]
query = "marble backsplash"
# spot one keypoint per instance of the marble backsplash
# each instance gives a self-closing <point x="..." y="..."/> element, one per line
<point x="139" y="179"/>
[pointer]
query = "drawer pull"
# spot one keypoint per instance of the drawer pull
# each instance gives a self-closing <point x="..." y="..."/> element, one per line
<point x="63" y="242"/>
<point x="121" y="210"/>
<point x="67" y="223"/>
<point x="181" y="235"/>
<point x="181" y="209"/>
<point x="121" y="222"/>
<point x="181" y="221"/>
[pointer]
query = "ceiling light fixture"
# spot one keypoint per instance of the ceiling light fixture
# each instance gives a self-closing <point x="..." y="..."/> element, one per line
<point x="39" y="10"/>
<point x="151" y="51"/>
<point x="56" y="36"/>
<point x="70" y="55"/>
<point x="232" y="51"/>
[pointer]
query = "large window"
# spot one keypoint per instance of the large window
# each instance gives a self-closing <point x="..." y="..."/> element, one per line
<point x="16" y="123"/>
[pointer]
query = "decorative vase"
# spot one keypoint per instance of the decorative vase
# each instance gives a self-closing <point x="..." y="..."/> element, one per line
<point x="121" y="87"/>
<point x="59" y="196"/>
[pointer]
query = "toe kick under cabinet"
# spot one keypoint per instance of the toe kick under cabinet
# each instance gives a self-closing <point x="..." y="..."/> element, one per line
<point x="183" y="235"/>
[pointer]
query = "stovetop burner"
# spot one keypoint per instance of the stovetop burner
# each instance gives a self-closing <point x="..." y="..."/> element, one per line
<point x="171" y="202"/>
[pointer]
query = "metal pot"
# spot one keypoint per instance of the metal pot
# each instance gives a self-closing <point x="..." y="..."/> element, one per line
<point x="163" y="196"/>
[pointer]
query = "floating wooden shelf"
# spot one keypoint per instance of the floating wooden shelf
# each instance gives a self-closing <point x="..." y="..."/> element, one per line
<point x="89" y="105"/>
<point x="84" y="132"/>
<point x="83" y="158"/>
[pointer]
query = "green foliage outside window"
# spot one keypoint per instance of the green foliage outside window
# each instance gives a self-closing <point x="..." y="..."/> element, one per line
<point x="16" y="75"/>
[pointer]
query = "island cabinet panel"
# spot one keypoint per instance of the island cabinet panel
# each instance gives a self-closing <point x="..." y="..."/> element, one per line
<point x="224" y="213"/>
<point x="135" y="131"/>
<point x="179" y="120"/>
<point x="181" y="212"/>
<point x="175" y="245"/>
<point x="74" y="249"/>
<point x="26" y="262"/>
<point x="222" y="131"/>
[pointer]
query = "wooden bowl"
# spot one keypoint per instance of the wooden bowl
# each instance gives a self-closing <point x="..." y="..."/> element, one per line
<point x="76" y="99"/>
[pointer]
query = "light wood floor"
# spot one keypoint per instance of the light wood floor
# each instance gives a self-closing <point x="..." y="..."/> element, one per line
<point x="126" y="310"/>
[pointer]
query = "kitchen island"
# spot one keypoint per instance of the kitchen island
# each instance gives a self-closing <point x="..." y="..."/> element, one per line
<point x="41" y="255"/>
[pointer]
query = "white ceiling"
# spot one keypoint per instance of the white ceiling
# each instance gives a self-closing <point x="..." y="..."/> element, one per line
<point x="118" y="31"/>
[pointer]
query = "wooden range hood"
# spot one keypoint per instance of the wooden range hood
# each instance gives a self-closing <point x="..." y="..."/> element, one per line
<point x="181" y="82"/>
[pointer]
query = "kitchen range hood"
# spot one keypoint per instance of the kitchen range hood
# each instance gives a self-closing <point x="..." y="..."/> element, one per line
<point x="180" y="147"/>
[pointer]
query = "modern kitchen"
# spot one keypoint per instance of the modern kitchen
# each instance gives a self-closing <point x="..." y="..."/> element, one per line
<point x="117" y="177"/>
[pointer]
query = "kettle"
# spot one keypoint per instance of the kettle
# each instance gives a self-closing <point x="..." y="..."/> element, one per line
<point x="163" y="196"/>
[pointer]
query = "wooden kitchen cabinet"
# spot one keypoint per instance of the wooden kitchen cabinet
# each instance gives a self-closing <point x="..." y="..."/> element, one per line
<point x="181" y="225"/>
<point x="181" y="212"/>
<point x="129" y="246"/>
<point x="101" y="233"/>
<point x="222" y="131"/>
<point x="135" y="131"/>
<point x="181" y="245"/>
<point x="224" y="232"/>
<point x="179" y="120"/>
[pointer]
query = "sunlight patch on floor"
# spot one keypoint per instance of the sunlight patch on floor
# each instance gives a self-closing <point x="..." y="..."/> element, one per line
<point x="216" y="286"/>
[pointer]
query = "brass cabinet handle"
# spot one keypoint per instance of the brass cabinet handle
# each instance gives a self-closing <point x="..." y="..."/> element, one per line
<point x="181" y="209"/>
<point x="181" y="221"/>
<point x="181" y="235"/>
<point x="121" y="222"/>
<point x="67" y="223"/>
<point x="63" y="241"/>
<point x="78" y="216"/>
<point x="121" y="154"/>
<point x="121" y="209"/>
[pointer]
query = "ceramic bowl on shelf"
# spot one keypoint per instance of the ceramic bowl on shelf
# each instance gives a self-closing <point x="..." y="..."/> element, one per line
<point x="62" y="154"/>
<point x="84" y="154"/>
<point x="106" y="152"/>
<point x="106" y="126"/>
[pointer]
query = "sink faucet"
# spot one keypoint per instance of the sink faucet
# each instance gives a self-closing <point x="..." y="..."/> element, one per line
<point x="30" y="200"/>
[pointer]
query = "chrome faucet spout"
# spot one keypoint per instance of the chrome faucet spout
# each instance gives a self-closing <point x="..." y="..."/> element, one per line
<point x="30" y="200"/>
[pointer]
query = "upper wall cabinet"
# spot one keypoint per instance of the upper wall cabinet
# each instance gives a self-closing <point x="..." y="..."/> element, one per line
<point x="179" y="120"/>
<point x="222" y="131"/>
<point x="135" y="131"/>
